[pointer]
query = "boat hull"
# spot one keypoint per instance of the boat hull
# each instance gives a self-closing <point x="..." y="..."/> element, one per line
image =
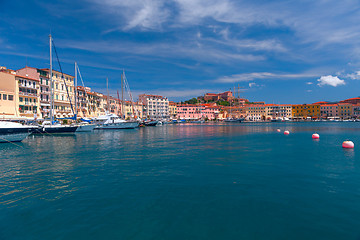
<point x="85" y="128"/>
<point x="122" y="125"/>
<point x="151" y="124"/>
<point x="56" y="130"/>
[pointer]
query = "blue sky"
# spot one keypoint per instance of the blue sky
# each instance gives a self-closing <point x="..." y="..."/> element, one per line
<point x="277" y="51"/>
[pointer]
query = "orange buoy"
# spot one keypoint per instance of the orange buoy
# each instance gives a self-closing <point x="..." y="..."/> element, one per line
<point x="278" y="130"/>
<point x="286" y="132"/>
<point x="348" y="144"/>
<point x="315" y="136"/>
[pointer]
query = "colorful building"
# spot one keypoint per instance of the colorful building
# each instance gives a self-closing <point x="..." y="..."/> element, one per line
<point x="155" y="106"/>
<point x="9" y="102"/>
<point x="200" y="111"/>
<point x="345" y="110"/>
<point x="64" y="101"/>
<point x="255" y="112"/>
<point x="306" y="111"/>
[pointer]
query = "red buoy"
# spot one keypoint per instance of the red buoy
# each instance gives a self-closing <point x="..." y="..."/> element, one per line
<point x="315" y="136"/>
<point x="286" y="132"/>
<point x="278" y="130"/>
<point x="348" y="144"/>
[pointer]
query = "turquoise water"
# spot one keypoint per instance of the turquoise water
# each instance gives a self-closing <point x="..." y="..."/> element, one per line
<point x="230" y="181"/>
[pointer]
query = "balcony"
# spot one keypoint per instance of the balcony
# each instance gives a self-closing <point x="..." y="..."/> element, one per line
<point x="27" y="94"/>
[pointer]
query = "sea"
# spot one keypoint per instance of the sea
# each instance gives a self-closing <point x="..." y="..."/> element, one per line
<point x="184" y="181"/>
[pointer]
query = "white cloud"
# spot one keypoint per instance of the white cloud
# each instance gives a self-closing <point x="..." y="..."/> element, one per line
<point x="169" y="50"/>
<point x="330" y="80"/>
<point x="246" y="77"/>
<point x="129" y="14"/>
<point x="252" y="84"/>
<point x="309" y="83"/>
<point x="354" y="76"/>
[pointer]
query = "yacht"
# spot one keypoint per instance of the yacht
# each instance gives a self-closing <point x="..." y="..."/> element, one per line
<point x="13" y="132"/>
<point x="112" y="121"/>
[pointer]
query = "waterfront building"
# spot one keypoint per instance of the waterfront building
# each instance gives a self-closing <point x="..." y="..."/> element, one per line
<point x="255" y="112"/>
<point x="200" y="111"/>
<point x="155" y="107"/>
<point x="44" y="83"/>
<point x="63" y="93"/>
<point x="28" y="94"/>
<point x="276" y="111"/>
<point x="329" y="110"/>
<point x="345" y="110"/>
<point x="9" y="104"/>
<point x="172" y="110"/>
<point x="356" y="110"/>
<point x="306" y="111"/>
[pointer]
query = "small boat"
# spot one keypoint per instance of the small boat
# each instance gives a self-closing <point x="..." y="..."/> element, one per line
<point x="234" y="120"/>
<point x="112" y="121"/>
<point x="151" y="123"/>
<point x="13" y="132"/>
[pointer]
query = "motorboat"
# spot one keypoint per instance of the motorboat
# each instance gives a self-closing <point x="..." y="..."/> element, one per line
<point x="112" y="121"/>
<point x="151" y="123"/>
<point x="13" y="132"/>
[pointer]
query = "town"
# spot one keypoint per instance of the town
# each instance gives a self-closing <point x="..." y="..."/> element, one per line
<point x="26" y="94"/>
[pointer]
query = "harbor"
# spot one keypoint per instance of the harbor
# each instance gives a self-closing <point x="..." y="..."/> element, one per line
<point x="184" y="181"/>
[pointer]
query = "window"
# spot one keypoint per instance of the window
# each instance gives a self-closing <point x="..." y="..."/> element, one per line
<point x="4" y="96"/>
<point x="11" y="97"/>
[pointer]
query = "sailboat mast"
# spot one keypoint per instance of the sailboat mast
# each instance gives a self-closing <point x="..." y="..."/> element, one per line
<point x="107" y="89"/>
<point x="75" y="90"/>
<point x="51" y="84"/>
<point x="122" y="95"/>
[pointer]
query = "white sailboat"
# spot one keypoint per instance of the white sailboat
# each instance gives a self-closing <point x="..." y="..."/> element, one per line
<point x="112" y="121"/>
<point x="49" y="126"/>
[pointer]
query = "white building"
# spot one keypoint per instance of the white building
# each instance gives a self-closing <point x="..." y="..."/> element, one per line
<point x="155" y="107"/>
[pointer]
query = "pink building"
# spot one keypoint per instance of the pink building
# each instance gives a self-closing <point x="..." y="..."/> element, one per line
<point x="200" y="111"/>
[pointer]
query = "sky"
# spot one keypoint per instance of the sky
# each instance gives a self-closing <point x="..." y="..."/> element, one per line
<point x="275" y="51"/>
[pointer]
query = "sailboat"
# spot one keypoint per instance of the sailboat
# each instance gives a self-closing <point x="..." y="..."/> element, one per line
<point x="49" y="126"/>
<point x="112" y="121"/>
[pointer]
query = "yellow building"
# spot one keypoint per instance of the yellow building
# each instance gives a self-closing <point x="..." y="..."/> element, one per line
<point x="172" y="110"/>
<point x="63" y="94"/>
<point x="8" y="96"/>
<point x="345" y="110"/>
<point x="305" y="111"/>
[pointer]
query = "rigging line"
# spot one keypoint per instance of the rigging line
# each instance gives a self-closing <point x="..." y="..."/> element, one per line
<point x="130" y="95"/>
<point x="86" y="95"/>
<point x="11" y="142"/>
<point x="62" y="76"/>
